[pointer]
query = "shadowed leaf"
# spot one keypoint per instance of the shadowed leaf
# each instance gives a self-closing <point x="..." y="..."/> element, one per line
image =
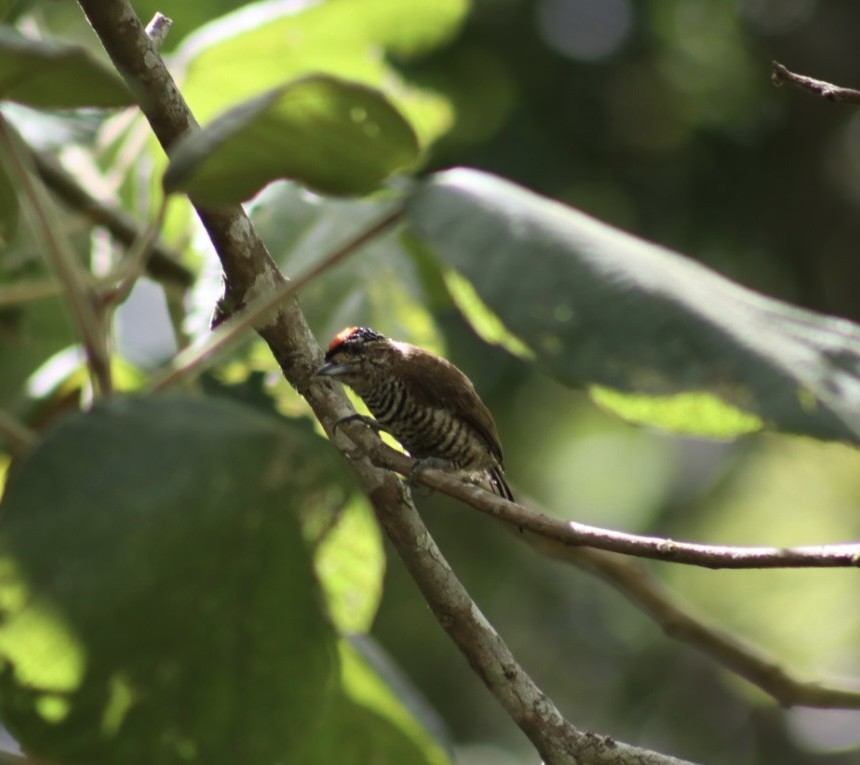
<point x="600" y="307"/>
<point x="51" y="74"/>
<point x="159" y="603"/>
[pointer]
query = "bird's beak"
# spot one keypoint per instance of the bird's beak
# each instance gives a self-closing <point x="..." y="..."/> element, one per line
<point x="332" y="369"/>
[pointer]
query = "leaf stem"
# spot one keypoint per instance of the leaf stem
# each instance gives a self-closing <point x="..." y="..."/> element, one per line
<point x="136" y="261"/>
<point x="16" y="433"/>
<point x="28" y="291"/>
<point x="80" y="297"/>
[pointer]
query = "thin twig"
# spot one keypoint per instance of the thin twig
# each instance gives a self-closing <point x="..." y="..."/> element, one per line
<point x="163" y="265"/>
<point x="781" y="75"/>
<point x="135" y="262"/>
<point x="17" y="293"/>
<point x="230" y="331"/>
<point x="16" y="433"/>
<point x="47" y="229"/>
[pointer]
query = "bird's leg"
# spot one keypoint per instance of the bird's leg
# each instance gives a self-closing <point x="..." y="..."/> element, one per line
<point x="435" y="463"/>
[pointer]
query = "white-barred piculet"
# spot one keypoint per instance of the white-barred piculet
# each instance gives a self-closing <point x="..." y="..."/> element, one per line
<point x="423" y="400"/>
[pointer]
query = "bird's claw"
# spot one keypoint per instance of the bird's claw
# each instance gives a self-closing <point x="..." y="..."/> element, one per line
<point x="363" y="419"/>
<point x="422" y="464"/>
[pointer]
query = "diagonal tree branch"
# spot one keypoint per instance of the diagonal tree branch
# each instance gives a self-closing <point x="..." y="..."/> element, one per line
<point x="641" y="587"/>
<point x="250" y="272"/>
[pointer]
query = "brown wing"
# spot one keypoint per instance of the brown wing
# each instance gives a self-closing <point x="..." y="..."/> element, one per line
<point x="436" y="382"/>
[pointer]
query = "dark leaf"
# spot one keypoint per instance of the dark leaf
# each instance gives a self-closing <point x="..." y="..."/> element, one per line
<point x="599" y="307"/>
<point x="55" y="75"/>
<point x="158" y="601"/>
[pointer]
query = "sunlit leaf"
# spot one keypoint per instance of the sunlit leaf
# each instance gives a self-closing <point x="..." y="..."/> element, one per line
<point x="373" y="718"/>
<point x="48" y="73"/>
<point x="598" y="306"/>
<point x="332" y="135"/>
<point x="693" y="413"/>
<point x="350" y="563"/>
<point x="268" y="43"/>
<point x="483" y="320"/>
<point x="159" y="602"/>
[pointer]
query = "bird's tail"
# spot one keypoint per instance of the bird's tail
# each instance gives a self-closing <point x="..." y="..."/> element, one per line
<point x="499" y="484"/>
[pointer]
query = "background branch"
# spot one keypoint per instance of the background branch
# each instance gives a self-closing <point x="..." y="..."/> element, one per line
<point x="80" y="297"/>
<point x="641" y="587"/>
<point x="16" y="433"/>
<point x="228" y="332"/>
<point x="163" y="264"/>
<point x="781" y="75"/>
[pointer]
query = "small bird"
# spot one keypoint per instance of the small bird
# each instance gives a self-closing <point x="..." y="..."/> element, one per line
<point x="423" y="400"/>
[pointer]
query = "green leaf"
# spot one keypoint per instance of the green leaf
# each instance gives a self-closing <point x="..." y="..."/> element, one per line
<point x="692" y="413"/>
<point x="374" y="721"/>
<point x="158" y="599"/>
<point x="332" y="135"/>
<point x="600" y="307"/>
<point x="269" y="43"/>
<point x="51" y="74"/>
<point x="350" y="562"/>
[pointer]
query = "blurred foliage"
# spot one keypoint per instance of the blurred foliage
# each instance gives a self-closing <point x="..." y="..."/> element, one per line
<point x="657" y="116"/>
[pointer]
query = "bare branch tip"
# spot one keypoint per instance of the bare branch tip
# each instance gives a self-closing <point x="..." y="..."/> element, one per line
<point x="778" y="74"/>
<point x="158" y="28"/>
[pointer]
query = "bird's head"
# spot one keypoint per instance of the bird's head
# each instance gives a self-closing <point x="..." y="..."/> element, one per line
<point x="356" y="355"/>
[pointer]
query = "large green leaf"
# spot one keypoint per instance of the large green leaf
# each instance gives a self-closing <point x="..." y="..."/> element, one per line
<point x="48" y="73"/>
<point x="597" y="306"/>
<point x="268" y="43"/>
<point x="159" y="603"/>
<point x="333" y="135"/>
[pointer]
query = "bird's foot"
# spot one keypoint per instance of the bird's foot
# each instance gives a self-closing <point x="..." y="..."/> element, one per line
<point x="427" y="463"/>
<point x="363" y="419"/>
